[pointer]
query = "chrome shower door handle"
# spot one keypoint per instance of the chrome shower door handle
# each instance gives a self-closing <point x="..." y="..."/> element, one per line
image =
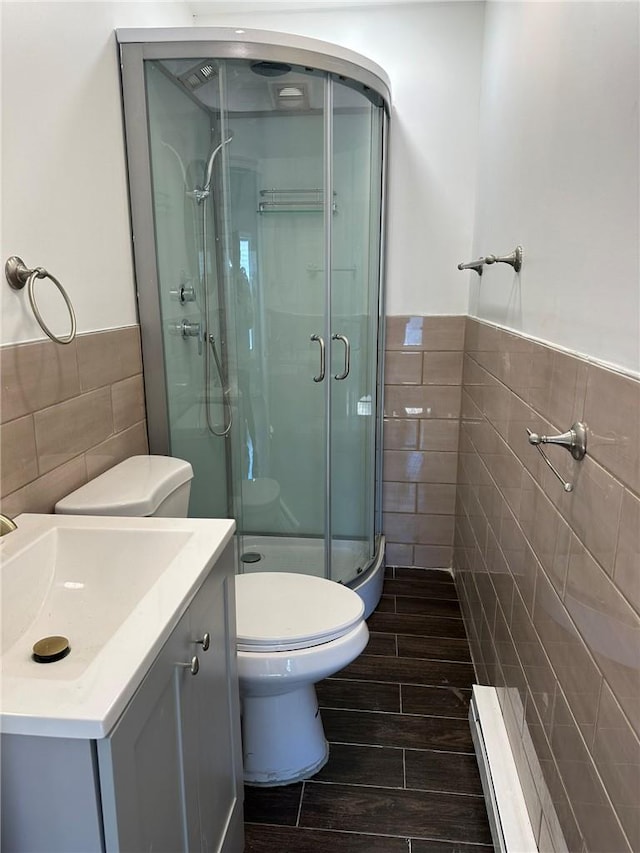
<point x="320" y="340"/>
<point x="347" y="356"/>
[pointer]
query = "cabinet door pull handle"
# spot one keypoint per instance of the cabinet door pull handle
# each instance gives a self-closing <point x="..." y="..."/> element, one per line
<point x="205" y="642"/>
<point x="193" y="666"/>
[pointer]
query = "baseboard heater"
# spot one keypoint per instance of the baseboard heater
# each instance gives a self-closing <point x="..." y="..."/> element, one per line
<point x="508" y="817"/>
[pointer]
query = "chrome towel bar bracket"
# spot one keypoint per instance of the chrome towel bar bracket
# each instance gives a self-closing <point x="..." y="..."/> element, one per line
<point x="18" y="274"/>
<point x="476" y="266"/>
<point x="514" y="259"/>
<point x="574" y="440"/>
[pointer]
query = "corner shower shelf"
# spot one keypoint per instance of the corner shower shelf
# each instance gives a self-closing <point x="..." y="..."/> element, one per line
<point x="294" y="201"/>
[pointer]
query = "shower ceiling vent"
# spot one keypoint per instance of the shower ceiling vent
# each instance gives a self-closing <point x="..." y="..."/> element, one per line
<point x="198" y="75"/>
<point x="290" y="95"/>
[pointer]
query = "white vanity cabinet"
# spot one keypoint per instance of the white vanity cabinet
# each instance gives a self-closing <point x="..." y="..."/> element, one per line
<point x="170" y="771"/>
<point x="168" y="777"/>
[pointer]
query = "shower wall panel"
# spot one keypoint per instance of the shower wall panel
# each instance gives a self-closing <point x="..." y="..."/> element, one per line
<point x="549" y="581"/>
<point x="180" y="141"/>
<point x="423" y="376"/>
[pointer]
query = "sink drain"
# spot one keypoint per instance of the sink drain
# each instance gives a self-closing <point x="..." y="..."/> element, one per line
<point x="51" y="649"/>
<point x="251" y="557"/>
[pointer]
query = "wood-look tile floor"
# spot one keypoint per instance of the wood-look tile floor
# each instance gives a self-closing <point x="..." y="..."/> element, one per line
<point x="402" y="775"/>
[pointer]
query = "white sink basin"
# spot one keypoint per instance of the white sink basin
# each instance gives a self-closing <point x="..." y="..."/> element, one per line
<point x="79" y="583"/>
<point x="115" y="587"/>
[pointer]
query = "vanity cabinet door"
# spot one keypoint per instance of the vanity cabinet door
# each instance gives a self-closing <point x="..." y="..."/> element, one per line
<point x="212" y="737"/>
<point x="171" y="769"/>
<point x="141" y="764"/>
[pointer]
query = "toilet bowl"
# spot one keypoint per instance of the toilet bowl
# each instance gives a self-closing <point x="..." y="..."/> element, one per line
<point x="293" y="631"/>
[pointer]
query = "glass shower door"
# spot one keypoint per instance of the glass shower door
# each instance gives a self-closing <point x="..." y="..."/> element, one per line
<point x="267" y="219"/>
<point x="355" y="269"/>
<point x="277" y="297"/>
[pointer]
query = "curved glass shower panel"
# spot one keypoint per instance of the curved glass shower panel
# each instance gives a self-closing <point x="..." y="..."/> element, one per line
<point x="181" y="130"/>
<point x="276" y="170"/>
<point x="259" y="289"/>
<point x="355" y="272"/>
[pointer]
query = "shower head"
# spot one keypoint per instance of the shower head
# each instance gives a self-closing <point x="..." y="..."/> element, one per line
<point x="270" y="69"/>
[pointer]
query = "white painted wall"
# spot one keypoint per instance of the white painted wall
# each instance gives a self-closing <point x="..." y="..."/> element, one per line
<point x="64" y="195"/>
<point x="64" y="188"/>
<point x="558" y="172"/>
<point x="557" y="169"/>
<point x="432" y="53"/>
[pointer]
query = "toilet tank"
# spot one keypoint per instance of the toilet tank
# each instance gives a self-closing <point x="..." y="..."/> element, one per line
<point x="139" y="486"/>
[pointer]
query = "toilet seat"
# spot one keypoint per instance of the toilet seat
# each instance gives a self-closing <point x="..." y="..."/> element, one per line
<point x="282" y="611"/>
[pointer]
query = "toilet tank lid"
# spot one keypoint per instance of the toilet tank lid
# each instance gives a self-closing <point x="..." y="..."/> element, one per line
<point x="135" y="487"/>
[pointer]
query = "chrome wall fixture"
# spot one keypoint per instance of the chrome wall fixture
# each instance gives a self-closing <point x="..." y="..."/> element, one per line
<point x="574" y="440"/>
<point x="347" y="356"/>
<point x="294" y="201"/>
<point x="514" y="259"/>
<point x="476" y="266"/>
<point x="320" y="340"/>
<point x="18" y="274"/>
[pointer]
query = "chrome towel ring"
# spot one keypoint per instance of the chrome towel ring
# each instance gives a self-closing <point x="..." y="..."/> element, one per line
<point x="18" y="274"/>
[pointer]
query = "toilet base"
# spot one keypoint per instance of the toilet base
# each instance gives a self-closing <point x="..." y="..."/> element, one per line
<point x="282" y="737"/>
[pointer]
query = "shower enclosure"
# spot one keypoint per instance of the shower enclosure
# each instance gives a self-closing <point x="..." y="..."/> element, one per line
<point x="256" y="168"/>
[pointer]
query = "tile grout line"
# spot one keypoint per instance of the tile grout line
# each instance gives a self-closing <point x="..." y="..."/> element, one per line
<point x="300" y="804"/>
<point x="461" y="795"/>
<point x="385" y="746"/>
<point x="396" y="713"/>
<point x="404" y="768"/>
<point x="404" y="751"/>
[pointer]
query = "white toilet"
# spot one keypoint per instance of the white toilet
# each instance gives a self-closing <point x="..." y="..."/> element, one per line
<point x="293" y="629"/>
